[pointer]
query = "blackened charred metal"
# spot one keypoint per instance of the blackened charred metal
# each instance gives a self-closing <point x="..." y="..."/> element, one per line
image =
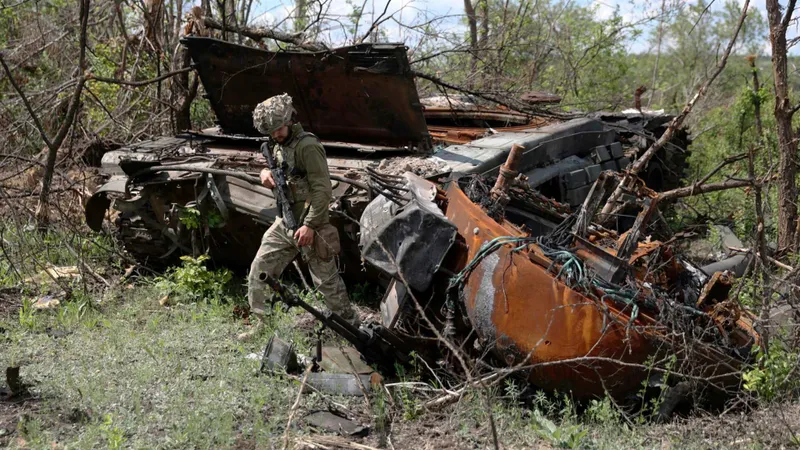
<point x="361" y="94"/>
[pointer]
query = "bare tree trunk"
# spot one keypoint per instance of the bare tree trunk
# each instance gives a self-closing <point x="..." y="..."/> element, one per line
<point x="300" y="15"/>
<point x="787" y="167"/>
<point x="472" y="20"/>
<point x="42" y="208"/>
<point x="658" y="52"/>
<point x="484" y="36"/>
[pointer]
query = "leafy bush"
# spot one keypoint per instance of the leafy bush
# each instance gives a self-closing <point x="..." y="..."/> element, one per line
<point x="562" y="436"/>
<point x="194" y="281"/>
<point x="774" y="374"/>
<point x="603" y="412"/>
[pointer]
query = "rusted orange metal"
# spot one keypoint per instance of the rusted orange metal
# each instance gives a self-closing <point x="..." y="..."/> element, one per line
<point x="571" y="341"/>
<point x="508" y="172"/>
<point x="520" y="309"/>
<point x="452" y="134"/>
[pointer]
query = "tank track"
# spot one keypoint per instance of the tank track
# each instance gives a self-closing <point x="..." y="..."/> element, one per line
<point x="146" y="245"/>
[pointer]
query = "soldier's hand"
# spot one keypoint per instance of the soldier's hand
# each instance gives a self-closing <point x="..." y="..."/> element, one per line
<point x="266" y="179"/>
<point x="304" y="236"/>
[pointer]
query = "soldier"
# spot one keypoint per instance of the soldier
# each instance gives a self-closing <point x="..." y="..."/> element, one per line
<point x="306" y="167"/>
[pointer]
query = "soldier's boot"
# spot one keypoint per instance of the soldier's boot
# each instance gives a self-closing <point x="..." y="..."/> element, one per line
<point x="350" y="315"/>
<point x="274" y="254"/>
<point x="254" y="330"/>
<point x="326" y="278"/>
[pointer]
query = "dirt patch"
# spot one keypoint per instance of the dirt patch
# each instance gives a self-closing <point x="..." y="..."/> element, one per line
<point x="768" y="427"/>
<point x="10" y="302"/>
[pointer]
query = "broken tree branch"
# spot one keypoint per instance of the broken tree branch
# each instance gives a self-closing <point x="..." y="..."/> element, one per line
<point x="642" y="161"/>
<point x="453" y="396"/>
<point x="259" y="33"/>
<point x="25" y="102"/>
<point x="688" y="191"/>
<point x="294" y="407"/>
<point x="92" y="77"/>
<point x="491" y="98"/>
<point x="376" y="23"/>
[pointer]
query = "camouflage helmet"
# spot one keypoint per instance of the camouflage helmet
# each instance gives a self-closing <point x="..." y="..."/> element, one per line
<point x="273" y="113"/>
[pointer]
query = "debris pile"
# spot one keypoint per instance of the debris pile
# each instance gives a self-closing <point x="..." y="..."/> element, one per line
<point x="424" y="167"/>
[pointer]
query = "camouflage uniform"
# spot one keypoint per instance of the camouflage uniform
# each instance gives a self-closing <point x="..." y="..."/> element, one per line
<point x="309" y="182"/>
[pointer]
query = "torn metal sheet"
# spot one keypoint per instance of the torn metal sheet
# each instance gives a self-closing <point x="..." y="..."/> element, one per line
<point x="574" y="336"/>
<point x="364" y="93"/>
<point x="342" y="383"/>
<point x="344" y="360"/>
<point x="406" y="241"/>
<point x="328" y="421"/>
<point x="279" y="355"/>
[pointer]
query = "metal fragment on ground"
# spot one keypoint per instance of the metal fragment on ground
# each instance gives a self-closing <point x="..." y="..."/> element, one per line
<point x="328" y="421"/>
<point x="342" y="383"/>
<point x="343" y="360"/>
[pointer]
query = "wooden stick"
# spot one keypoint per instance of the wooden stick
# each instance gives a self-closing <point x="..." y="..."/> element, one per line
<point x="294" y="407"/>
<point x="453" y="396"/>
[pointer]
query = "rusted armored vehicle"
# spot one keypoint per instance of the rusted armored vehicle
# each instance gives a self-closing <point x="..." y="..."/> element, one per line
<point x="517" y="271"/>
<point x="362" y="102"/>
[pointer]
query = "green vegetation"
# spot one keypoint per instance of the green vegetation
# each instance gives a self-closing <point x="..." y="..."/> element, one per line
<point x="127" y="372"/>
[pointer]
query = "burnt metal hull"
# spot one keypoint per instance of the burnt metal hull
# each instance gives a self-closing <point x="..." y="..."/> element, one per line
<point x="361" y="94"/>
<point x="564" y="340"/>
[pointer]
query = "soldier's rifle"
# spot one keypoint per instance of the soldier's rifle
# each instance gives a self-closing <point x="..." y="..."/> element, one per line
<point x="378" y="344"/>
<point x="281" y="189"/>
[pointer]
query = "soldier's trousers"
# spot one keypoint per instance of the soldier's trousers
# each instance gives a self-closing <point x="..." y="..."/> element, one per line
<point x="278" y="249"/>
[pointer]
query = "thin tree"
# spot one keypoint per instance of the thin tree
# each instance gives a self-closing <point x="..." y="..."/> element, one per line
<point x="783" y="111"/>
<point x="54" y="143"/>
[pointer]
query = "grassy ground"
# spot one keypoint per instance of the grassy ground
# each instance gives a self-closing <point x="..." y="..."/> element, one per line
<point x="117" y="369"/>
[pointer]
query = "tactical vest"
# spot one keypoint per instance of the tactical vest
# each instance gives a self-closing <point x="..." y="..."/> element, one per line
<point x="296" y="178"/>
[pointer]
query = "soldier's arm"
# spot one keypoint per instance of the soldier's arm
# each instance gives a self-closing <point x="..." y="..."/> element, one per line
<point x="313" y="160"/>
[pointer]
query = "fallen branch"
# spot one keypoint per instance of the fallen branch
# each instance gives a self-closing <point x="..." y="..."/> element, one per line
<point x="453" y="396"/>
<point x="768" y="258"/>
<point x="330" y="442"/>
<point x="259" y="33"/>
<point x="86" y="267"/>
<point x="491" y="98"/>
<point x="92" y="77"/>
<point x="688" y="191"/>
<point x="294" y="407"/>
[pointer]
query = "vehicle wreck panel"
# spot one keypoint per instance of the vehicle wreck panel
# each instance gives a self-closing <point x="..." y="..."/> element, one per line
<point x="363" y="93"/>
<point x="528" y="317"/>
<point x="542" y="145"/>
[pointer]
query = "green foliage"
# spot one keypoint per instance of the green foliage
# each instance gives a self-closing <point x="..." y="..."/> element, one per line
<point x="193" y="219"/>
<point x="603" y="412"/>
<point x="27" y="315"/>
<point x="115" y="437"/>
<point x="190" y="218"/>
<point x="404" y="397"/>
<point x="193" y="281"/>
<point x="774" y="374"/>
<point x="366" y="293"/>
<point x="562" y="436"/>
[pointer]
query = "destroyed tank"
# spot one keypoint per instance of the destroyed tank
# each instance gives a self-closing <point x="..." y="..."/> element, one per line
<point x="362" y="102"/>
<point x="518" y="275"/>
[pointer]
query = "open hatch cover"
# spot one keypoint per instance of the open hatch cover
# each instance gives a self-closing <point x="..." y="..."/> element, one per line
<point x="360" y="94"/>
